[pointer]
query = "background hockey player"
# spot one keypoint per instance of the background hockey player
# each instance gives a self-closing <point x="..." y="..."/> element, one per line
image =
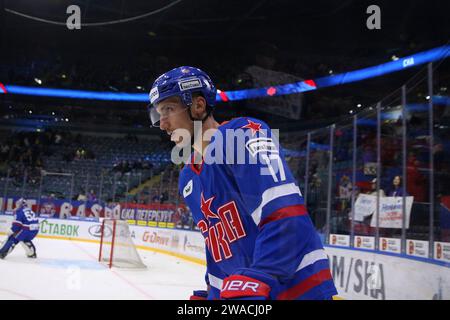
<point x="24" y="229"/>
<point x="261" y="243"/>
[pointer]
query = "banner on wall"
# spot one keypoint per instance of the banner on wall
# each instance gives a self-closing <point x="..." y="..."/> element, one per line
<point x="365" y="206"/>
<point x="391" y="245"/>
<point x="391" y="209"/>
<point x="339" y="240"/>
<point x="64" y="209"/>
<point x="442" y="251"/>
<point x="368" y="275"/>
<point x="187" y="243"/>
<point x="417" y="248"/>
<point x="365" y="242"/>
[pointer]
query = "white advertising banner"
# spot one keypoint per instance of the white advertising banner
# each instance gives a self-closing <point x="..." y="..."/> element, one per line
<point x="357" y="274"/>
<point x="442" y="251"/>
<point x="417" y="248"/>
<point x="391" y="245"/>
<point x="186" y="243"/>
<point x="189" y="243"/>
<point x="365" y="242"/>
<point x="362" y="275"/>
<point x="340" y="240"/>
<point x="365" y="206"/>
<point x="391" y="209"/>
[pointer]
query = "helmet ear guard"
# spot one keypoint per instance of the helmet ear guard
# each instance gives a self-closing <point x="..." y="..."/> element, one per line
<point x="186" y="97"/>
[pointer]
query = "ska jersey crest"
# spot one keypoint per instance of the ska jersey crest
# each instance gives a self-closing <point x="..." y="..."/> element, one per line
<point x="220" y="228"/>
<point x="253" y="126"/>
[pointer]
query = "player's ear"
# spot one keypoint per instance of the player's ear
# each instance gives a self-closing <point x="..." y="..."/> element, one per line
<point x="199" y="106"/>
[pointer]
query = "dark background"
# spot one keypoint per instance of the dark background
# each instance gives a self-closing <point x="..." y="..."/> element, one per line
<point x="303" y="38"/>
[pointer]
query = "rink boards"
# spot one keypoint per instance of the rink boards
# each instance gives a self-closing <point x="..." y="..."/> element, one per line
<point x="358" y="273"/>
<point x="185" y="244"/>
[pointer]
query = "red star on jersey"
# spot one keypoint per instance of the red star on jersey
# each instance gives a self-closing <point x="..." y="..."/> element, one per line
<point x="205" y="207"/>
<point x="255" y="127"/>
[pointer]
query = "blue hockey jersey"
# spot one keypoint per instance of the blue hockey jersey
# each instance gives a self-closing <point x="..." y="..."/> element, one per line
<point x="248" y="207"/>
<point x="25" y="221"/>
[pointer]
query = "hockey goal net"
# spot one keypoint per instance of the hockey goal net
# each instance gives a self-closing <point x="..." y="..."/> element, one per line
<point x="116" y="246"/>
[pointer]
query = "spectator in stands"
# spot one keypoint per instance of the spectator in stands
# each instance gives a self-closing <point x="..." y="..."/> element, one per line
<point x="117" y="167"/>
<point x="345" y="192"/>
<point x="397" y="190"/>
<point x="363" y="227"/>
<point x="156" y="198"/>
<point x="92" y="196"/>
<point x="78" y="154"/>
<point x="81" y="196"/>
<point x="373" y="189"/>
<point x="122" y="167"/>
<point x="164" y="197"/>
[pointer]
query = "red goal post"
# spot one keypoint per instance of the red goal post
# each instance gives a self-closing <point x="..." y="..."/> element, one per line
<point x="116" y="245"/>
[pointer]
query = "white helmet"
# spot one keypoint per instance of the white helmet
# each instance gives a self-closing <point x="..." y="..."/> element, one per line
<point x="22" y="203"/>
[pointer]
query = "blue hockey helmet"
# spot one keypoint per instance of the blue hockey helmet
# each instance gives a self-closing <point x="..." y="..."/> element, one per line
<point x="181" y="82"/>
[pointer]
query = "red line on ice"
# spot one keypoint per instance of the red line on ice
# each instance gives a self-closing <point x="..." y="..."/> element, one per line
<point x="114" y="272"/>
<point x="17" y="294"/>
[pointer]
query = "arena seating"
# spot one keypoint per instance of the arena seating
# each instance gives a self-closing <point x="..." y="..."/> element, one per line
<point x="110" y="166"/>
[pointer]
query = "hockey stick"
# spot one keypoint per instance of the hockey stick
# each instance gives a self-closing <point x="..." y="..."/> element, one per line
<point x="42" y="221"/>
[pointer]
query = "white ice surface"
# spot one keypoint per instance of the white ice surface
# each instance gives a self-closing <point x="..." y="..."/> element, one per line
<point x="69" y="270"/>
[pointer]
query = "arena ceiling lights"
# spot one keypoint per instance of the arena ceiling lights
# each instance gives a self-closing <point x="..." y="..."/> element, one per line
<point x="424" y="57"/>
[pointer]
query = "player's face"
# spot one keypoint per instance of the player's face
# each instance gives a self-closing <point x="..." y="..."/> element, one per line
<point x="174" y="115"/>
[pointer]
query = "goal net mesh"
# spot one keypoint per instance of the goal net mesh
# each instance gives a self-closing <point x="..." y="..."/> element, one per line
<point x="116" y="246"/>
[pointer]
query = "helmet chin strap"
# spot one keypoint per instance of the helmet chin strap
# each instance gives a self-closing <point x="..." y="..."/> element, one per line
<point x="208" y="113"/>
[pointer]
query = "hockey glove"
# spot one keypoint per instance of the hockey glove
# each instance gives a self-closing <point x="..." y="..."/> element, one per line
<point x="248" y="285"/>
<point x="199" y="295"/>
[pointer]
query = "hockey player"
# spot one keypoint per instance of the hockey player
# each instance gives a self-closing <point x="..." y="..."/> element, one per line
<point x="24" y="229"/>
<point x="260" y="241"/>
